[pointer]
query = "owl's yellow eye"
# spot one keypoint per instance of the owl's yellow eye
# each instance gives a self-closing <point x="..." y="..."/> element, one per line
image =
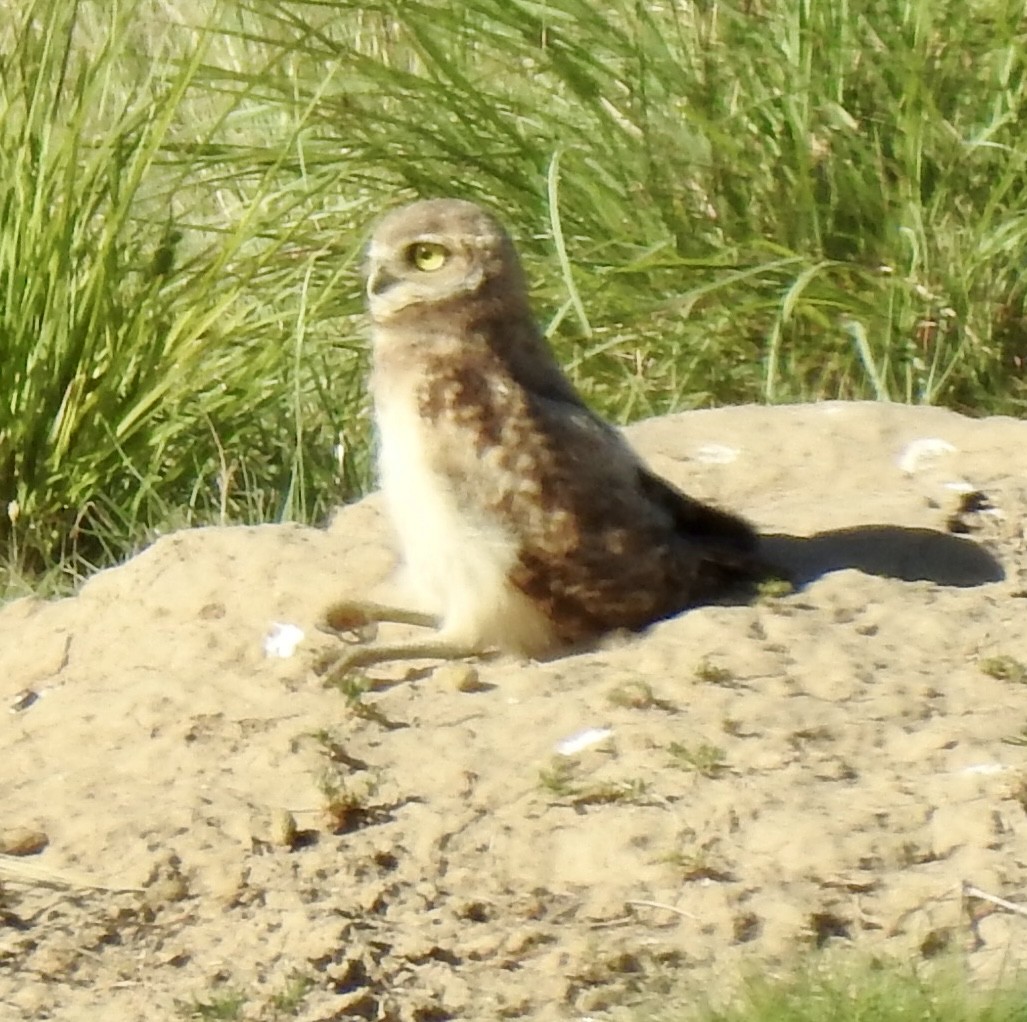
<point x="428" y="256"/>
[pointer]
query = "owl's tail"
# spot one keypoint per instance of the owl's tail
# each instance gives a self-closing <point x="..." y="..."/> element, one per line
<point x="726" y="547"/>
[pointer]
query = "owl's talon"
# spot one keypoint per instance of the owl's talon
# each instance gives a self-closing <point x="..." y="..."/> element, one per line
<point x="324" y="662"/>
<point x="351" y="618"/>
<point x="355" y="635"/>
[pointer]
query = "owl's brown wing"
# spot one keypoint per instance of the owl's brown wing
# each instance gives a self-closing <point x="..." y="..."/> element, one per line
<point x="726" y="536"/>
<point x="619" y="547"/>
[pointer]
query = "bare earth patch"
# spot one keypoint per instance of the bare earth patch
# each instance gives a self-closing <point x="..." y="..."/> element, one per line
<point x="192" y="821"/>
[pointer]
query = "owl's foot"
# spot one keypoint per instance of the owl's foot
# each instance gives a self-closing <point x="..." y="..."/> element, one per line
<point x="335" y="668"/>
<point x="356" y="622"/>
<point x="360" y="618"/>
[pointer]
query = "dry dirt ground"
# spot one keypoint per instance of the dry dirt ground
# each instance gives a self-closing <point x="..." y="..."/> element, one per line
<point x="821" y="769"/>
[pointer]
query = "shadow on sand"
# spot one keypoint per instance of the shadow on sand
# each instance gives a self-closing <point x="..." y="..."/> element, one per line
<point x="891" y="551"/>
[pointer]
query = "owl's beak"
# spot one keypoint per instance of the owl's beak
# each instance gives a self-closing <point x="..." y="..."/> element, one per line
<point x="379" y="281"/>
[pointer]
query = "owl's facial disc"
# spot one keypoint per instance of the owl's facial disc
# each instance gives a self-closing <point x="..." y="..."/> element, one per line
<point x="423" y="269"/>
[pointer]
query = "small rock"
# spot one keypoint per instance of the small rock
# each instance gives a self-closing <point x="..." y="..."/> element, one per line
<point x="22" y="841"/>
<point x="599" y="998"/>
<point x="459" y="676"/>
<point x="166" y="891"/>
<point x="522" y="939"/>
<point x="23" y="700"/>
<point x="275" y="827"/>
<point x="455" y="996"/>
<point x="482" y="947"/>
<point x="166" y="883"/>
<point x="228" y="884"/>
<point x="33" y="999"/>
<point x="52" y="963"/>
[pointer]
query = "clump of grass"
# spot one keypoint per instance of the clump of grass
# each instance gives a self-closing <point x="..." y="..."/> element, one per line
<point x="774" y="589"/>
<point x="1005" y="668"/>
<point x="750" y="205"/>
<point x="704" y="759"/>
<point x="333" y="747"/>
<point x="289" y="1000"/>
<point x="709" y="672"/>
<point x="354" y="689"/>
<point x="874" y="992"/>
<point x="348" y="800"/>
<point x="222" y="1007"/>
<point x="146" y="384"/>
<point x="562" y="782"/>
<point x="558" y="779"/>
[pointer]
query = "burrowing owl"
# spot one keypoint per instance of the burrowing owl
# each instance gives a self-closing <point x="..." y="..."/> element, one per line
<point x="526" y="521"/>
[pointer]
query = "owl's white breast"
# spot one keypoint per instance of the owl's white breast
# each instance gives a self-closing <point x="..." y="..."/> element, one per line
<point x="456" y="560"/>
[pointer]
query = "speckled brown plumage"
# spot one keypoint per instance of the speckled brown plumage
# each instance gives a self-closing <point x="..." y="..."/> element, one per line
<point x="526" y="520"/>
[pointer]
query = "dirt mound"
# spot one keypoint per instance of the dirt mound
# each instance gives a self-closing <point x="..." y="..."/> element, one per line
<point x="824" y="768"/>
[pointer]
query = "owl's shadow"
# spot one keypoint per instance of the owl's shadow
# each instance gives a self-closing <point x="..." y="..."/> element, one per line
<point x="890" y="551"/>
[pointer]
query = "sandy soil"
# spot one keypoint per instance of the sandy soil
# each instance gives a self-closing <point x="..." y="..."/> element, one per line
<point x="823" y="769"/>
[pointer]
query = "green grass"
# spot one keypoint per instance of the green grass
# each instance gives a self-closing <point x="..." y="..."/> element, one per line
<point x="153" y="355"/>
<point x="222" y="1007"/>
<point x="854" y="993"/>
<point x="1005" y="668"/>
<point x="716" y="202"/>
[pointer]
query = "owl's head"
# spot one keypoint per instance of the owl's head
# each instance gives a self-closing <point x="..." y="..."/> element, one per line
<point x="432" y="252"/>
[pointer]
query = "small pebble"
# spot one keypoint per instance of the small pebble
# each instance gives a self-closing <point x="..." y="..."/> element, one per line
<point x="459" y="677"/>
<point x="166" y="883"/>
<point x="22" y="841"/>
<point x="283" y="828"/>
<point x="275" y="827"/>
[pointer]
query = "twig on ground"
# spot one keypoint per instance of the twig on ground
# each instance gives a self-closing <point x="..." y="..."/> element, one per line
<point x="969" y="891"/>
<point x="665" y="907"/>
<point x="16" y="870"/>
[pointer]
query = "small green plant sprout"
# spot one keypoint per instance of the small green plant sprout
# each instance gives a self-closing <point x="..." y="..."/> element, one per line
<point x="348" y="800"/>
<point x="332" y="746"/>
<point x="288" y="1000"/>
<point x="858" y="989"/>
<point x="558" y="779"/>
<point x="1005" y="668"/>
<point x="328" y="741"/>
<point x="561" y="780"/>
<point x="630" y="789"/>
<point x="223" y="1007"/>
<point x="774" y="589"/>
<point x="710" y="673"/>
<point x="354" y="689"/>
<point x="704" y="759"/>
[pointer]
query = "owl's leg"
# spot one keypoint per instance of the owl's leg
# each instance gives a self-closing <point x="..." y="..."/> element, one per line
<point x="436" y="647"/>
<point x="358" y="620"/>
<point x="358" y="616"/>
